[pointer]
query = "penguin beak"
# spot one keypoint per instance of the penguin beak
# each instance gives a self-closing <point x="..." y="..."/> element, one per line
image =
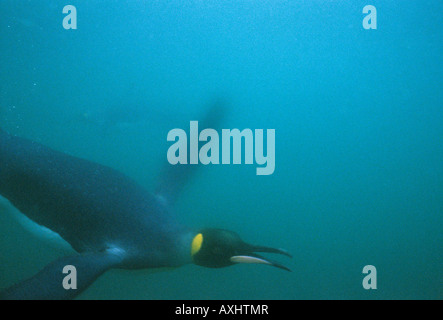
<point x="253" y="257"/>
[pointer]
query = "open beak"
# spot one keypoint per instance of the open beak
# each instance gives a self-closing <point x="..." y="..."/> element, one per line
<point x="252" y="257"/>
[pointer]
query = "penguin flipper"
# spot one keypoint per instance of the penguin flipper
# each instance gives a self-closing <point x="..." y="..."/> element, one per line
<point x="173" y="178"/>
<point x="48" y="283"/>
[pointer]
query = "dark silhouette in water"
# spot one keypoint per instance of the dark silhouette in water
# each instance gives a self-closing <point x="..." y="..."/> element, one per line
<point x="110" y="220"/>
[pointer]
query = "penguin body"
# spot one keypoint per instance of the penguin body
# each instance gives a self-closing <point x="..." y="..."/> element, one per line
<point x="110" y="220"/>
<point x="93" y="207"/>
<point x="96" y="209"/>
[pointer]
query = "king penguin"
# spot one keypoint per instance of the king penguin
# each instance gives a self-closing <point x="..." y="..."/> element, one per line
<point x="107" y="218"/>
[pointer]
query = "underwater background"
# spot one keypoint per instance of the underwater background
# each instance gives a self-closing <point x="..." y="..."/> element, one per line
<point x="358" y="117"/>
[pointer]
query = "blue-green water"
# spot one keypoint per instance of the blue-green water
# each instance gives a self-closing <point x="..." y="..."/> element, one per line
<point x="358" y="116"/>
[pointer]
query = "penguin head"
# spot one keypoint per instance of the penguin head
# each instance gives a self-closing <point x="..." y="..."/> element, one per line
<point x="218" y="248"/>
